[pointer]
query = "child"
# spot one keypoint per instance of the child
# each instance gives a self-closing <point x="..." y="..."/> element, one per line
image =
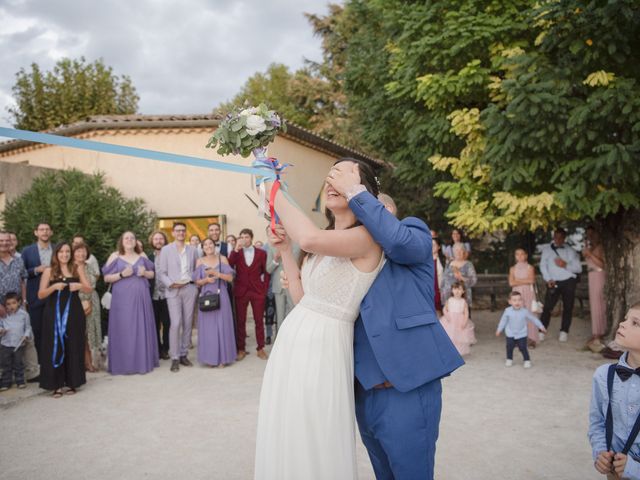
<point x="615" y="405"/>
<point x="15" y="328"/>
<point x="456" y="320"/>
<point x="514" y="323"/>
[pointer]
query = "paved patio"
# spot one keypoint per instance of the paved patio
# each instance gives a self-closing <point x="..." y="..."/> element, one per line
<point x="497" y="422"/>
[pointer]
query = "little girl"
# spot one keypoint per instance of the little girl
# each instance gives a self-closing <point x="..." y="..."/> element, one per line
<point x="456" y="320"/>
<point x="522" y="279"/>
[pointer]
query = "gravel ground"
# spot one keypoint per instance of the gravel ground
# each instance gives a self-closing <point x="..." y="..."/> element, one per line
<point x="497" y="422"/>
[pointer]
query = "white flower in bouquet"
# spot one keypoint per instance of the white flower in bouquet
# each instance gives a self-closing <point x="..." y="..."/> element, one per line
<point x="248" y="111"/>
<point x="255" y="124"/>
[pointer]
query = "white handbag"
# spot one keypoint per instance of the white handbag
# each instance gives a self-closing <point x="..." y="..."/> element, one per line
<point x="106" y="299"/>
<point x="536" y="305"/>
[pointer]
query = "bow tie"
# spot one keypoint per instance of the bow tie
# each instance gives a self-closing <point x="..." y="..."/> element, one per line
<point x="625" y="373"/>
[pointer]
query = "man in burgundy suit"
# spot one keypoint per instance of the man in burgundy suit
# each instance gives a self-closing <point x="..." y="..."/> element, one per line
<point x="249" y="287"/>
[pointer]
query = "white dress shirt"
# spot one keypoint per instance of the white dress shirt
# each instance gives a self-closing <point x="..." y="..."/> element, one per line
<point x="249" y="253"/>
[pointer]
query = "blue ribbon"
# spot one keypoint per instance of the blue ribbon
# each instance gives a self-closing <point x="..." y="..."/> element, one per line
<point x="122" y="150"/>
<point x="60" y="329"/>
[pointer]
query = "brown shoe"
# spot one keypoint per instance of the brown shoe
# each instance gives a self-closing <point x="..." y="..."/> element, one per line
<point x="262" y="354"/>
<point x="241" y="355"/>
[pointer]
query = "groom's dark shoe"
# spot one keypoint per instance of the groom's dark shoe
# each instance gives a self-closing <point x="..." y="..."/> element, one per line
<point x="175" y="365"/>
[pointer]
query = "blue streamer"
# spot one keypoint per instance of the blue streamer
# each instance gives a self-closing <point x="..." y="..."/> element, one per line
<point x="123" y="150"/>
<point x="60" y="329"/>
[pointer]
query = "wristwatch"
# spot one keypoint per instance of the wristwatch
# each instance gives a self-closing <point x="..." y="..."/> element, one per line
<point x="120" y="274"/>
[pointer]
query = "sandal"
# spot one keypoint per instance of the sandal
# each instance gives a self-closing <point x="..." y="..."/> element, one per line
<point x="71" y="391"/>
<point x="57" y="393"/>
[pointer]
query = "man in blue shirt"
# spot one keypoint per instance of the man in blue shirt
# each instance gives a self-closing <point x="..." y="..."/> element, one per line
<point x="560" y="266"/>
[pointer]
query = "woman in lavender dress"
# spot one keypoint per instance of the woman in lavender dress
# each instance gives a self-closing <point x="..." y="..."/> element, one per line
<point x="216" y="339"/>
<point x="133" y="345"/>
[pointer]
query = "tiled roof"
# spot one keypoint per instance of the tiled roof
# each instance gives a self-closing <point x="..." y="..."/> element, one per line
<point x="127" y="122"/>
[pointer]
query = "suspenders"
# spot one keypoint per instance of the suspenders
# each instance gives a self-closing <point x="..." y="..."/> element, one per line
<point x="608" y="426"/>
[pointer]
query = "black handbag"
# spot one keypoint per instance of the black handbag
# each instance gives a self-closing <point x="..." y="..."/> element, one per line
<point x="211" y="301"/>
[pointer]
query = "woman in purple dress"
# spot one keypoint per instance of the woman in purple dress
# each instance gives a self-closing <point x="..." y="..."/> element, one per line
<point x="133" y="345"/>
<point x="216" y="338"/>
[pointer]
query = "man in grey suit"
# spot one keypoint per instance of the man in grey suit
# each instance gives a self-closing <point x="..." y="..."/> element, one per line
<point x="177" y="263"/>
<point x="282" y="298"/>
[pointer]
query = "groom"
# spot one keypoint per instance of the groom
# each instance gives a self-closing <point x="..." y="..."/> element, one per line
<point x="401" y="351"/>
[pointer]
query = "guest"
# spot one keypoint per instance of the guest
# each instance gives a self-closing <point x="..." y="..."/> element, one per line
<point x="249" y="287"/>
<point x="560" y="266"/>
<point x="456" y="320"/>
<point x="459" y="270"/>
<point x="90" y="304"/>
<point x="13" y="276"/>
<point x="194" y="241"/>
<point x="133" y="346"/>
<point x="614" y="406"/>
<point x="259" y="244"/>
<point x="177" y="264"/>
<point x="157" y="240"/>
<point x="214" y="231"/>
<point x="593" y="253"/>
<point x="36" y="258"/>
<point x="91" y="260"/>
<point x="140" y="246"/>
<point x="522" y="279"/>
<point x="14" y="245"/>
<point x="63" y="323"/>
<point x="456" y="237"/>
<point x="388" y="203"/>
<point x="216" y="338"/>
<point x="231" y="242"/>
<point x="513" y="322"/>
<point x="438" y="277"/>
<point x="15" y="329"/>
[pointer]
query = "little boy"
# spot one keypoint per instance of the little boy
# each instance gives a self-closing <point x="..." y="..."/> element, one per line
<point x="514" y="323"/>
<point x="614" y="419"/>
<point x="15" y="328"/>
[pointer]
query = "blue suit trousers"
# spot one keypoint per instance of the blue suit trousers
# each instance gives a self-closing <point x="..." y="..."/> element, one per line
<point x="400" y="429"/>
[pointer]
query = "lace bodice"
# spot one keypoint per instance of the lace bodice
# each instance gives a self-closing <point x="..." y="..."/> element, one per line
<point x="335" y="287"/>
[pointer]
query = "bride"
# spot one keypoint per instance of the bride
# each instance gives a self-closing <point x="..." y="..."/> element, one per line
<point x="306" y="420"/>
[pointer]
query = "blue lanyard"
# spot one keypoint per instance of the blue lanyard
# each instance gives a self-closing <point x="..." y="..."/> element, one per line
<point x="60" y="329"/>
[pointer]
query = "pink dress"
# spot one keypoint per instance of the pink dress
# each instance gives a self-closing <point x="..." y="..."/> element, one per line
<point x="461" y="331"/>
<point x="521" y="272"/>
<point x="597" y="303"/>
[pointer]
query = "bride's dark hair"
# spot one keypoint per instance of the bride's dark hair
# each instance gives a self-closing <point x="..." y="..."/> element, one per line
<point x="367" y="178"/>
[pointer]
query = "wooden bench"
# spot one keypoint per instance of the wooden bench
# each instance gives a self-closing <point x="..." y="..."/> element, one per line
<point x="496" y="286"/>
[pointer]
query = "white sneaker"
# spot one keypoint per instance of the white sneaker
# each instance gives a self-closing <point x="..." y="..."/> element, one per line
<point x="564" y="336"/>
<point x="541" y="337"/>
<point x="508" y="363"/>
<point x="527" y="364"/>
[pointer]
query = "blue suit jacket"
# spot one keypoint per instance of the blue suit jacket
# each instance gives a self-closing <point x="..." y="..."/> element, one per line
<point x="398" y="333"/>
<point x="31" y="259"/>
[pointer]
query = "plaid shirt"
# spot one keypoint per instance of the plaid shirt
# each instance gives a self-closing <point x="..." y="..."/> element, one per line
<point x="12" y="275"/>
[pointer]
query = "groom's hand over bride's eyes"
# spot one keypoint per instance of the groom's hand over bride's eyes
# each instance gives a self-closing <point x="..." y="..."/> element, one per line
<point x="343" y="179"/>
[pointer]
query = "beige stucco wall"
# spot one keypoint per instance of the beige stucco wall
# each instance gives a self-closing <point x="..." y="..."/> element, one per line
<point x="184" y="191"/>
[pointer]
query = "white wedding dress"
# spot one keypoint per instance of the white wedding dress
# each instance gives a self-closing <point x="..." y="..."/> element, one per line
<point x="306" y="420"/>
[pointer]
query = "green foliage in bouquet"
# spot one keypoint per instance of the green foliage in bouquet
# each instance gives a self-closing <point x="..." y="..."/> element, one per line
<point x="244" y="130"/>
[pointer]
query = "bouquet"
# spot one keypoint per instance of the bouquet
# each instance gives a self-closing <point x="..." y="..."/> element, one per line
<point x="247" y="130"/>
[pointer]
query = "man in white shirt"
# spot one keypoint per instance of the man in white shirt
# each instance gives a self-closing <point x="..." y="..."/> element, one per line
<point x="560" y="266"/>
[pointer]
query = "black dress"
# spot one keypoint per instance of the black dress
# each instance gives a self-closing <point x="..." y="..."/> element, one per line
<point x="71" y="372"/>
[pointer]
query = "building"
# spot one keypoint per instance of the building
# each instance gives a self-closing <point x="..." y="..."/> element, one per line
<point x="193" y="194"/>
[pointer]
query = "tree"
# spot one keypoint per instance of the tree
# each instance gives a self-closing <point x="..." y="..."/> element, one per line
<point x="560" y="139"/>
<point x="75" y="203"/>
<point x="73" y="90"/>
<point x="409" y="65"/>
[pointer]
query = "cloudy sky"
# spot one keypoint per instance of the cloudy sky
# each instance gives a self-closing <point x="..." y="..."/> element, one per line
<point x="182" y="56"/>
